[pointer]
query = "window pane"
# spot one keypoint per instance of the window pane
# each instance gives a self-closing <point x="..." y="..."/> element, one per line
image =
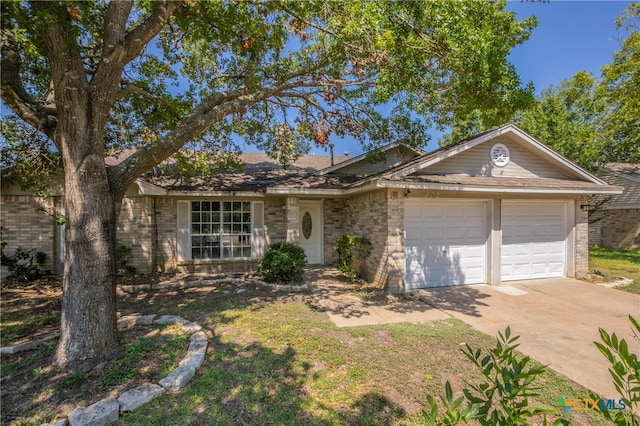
<point x="215" y="216"/>
<point x="246" y="252"/>
<point x="215" y="206"/>
<point x="246" y="229"/>
<point x="195" y="217"/>
<point x="226" y="217"/>
<point x="206" y="206"/>
<point x="206" y="217"/>
<point x="195" y="228"/>
<point x="206" y="228"/>
<point x="195" y="206"/>
<point x="246" y="206"/>
<point x="237" y="217"/>
<point x="226" y="227"/>
<point x="227" y="206"/>
<point x="246" y="217"/>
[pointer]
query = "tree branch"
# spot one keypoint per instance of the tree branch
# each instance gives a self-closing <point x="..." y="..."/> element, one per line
<point x="12" y="89"/>
<point x="138" y="38"/>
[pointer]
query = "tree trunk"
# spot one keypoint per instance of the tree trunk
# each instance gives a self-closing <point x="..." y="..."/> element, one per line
<point x="88" y="333"/>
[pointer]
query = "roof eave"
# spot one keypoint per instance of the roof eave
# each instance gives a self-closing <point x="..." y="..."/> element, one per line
<point x="432" y="186"/>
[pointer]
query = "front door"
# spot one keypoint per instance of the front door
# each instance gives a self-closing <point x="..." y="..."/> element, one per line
<point x="311" y="230"/>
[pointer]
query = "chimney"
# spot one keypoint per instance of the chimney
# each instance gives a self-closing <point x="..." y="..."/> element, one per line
<point x="331" y="152"/>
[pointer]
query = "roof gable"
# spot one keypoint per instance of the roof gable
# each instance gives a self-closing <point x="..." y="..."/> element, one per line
<point x="528" y="159"/>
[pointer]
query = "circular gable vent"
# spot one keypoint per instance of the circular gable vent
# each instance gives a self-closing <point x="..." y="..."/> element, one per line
<point x="499" y="155"/>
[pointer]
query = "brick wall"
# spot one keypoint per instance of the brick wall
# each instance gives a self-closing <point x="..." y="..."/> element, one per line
<point x="619" y="228"/>
<point x="379" y="216"/>
<point x="25" y="225"/>
<point x="275" y="220"/>
<point x="334" y="219"/>
<point x="581" y="241"/>
<point x="136" y="231"/>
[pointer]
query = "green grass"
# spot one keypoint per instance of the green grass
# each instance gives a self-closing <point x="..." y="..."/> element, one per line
<point x="18" y="325"/>
<point x="617" y="263"/>
<point x="285" y="363"/>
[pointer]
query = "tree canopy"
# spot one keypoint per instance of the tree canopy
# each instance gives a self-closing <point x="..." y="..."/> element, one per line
<point x="97" y="77"/>
<point x="269" y="72"/>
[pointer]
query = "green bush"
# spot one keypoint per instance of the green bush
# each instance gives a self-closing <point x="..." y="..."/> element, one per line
<point x="283" y="262"/>
<point x="23" y="264"/>
<point x="502" y="398"/>
<point x="344" y="246"/>
<point x="625" y="372"/>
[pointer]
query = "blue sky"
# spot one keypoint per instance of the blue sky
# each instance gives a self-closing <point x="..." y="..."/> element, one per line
<point x="571" y="36"/>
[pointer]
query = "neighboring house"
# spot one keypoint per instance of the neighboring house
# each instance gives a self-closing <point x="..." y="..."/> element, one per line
<point x="497" y="207"/>
<point x="615" y="220"/>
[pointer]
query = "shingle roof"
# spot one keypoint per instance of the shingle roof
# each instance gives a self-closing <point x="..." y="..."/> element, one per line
<point x="259" y="172"/>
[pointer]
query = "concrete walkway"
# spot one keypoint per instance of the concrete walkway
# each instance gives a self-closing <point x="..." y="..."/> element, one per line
<point x="557" y="319"/>
<point x="332" y="293"/>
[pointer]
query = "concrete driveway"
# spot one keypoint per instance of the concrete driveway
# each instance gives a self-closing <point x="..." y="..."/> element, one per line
<point x="557" y="320"/>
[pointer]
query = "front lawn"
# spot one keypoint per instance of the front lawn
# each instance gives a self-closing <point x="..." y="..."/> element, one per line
<point x="617" y="263"/>
<point x="274" y="359"/>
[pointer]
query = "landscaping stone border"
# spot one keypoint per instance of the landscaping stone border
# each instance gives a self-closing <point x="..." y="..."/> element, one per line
<point x="187" y="283"/>
<point x="107" y="411"/>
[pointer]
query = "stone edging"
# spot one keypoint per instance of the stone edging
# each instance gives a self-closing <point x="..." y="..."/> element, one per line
<point x="619" y="282"/>
<point x="183" y="283"/>
<point x="108" y="410"/>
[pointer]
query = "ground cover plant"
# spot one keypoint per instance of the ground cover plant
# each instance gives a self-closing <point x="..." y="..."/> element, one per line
<point x="612" y="263"/>
<point x="276" y="359"/>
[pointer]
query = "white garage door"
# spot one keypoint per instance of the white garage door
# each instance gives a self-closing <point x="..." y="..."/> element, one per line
<point x="533" y="240"/>
<point x="444" y="243"/>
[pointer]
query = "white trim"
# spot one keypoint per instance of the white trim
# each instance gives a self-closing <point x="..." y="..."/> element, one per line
<point x="466" y="188"/>
<point x="303" y="191"/>
<point x="195" y="194"/>
<point x="363" y="156"/>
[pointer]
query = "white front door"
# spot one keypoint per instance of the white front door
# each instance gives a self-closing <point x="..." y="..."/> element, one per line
<point x="533" y="240"/>
<point x="444" y="243"/>
<point x="311" y="230"/>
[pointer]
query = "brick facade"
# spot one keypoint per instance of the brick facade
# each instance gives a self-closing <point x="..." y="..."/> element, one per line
<point x="581" y="240"/>
<point x="26" y="225"/>
<point x="618" y="228"/>
<point x="334" y="220"/>
<point x="379" y="216"/>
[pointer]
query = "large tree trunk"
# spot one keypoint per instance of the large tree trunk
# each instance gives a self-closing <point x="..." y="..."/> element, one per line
<point x="88" y="333"/>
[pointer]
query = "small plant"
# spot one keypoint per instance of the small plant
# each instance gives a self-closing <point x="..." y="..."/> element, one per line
<point x="502" y="398"/>
<point x="283" y="262"/>
<point x="123" y="256"/>
<point x="625" y="372"/>
<point x="344" y="246"/>
<point x="23" y="264"/>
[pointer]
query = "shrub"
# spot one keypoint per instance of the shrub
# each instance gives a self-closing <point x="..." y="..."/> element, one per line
<point x="123" y="256"/>
<point x="23" y="264"/>
<point x="502" y="398"/>
<point x="282" y="262"/>
<point x="625" y="372"/>
<point x="344" y="246"/>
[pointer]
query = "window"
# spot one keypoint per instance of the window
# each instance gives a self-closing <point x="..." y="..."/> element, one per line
<point x="220" y="229"/>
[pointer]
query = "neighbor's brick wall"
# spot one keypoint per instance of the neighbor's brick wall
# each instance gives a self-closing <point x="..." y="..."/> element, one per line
<point x="618" y="228"/>
<point x="379" y="217"/>
<point x="581" y="241"/>
<point x="25" y="225"/>
<point x="334" y="218"/>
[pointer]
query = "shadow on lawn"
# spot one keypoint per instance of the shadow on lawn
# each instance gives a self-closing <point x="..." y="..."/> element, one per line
<point x="243" y="381"/>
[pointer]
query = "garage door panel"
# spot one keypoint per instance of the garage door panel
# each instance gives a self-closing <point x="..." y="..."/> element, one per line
<point x="452" y="250"/>
<point x="533" y="240"/>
